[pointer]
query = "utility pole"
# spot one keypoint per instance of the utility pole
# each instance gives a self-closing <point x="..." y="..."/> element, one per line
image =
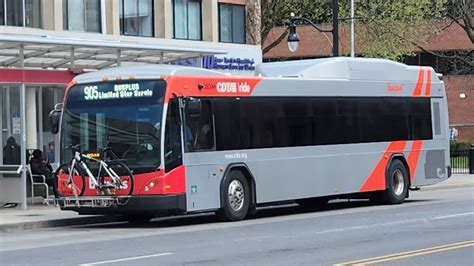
<point x="335" y="27"/>
<point x="352" y="30"/>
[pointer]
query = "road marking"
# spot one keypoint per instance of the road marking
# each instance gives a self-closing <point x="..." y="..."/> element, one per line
<point x="126" y="259"/>
<point x="409" y="254"/>
<point x="453" y="215"/>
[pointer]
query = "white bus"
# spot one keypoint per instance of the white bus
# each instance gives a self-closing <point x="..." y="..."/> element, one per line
<point x="305" y="131"/>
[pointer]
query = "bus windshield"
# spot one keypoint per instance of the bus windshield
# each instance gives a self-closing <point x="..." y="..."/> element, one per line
<point x="123" y="115"/>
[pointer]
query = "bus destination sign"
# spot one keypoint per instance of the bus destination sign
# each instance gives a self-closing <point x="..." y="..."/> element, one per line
<point x="119" y="91"/>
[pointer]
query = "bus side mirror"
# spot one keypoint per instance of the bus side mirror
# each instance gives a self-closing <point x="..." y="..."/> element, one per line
<point x="54" y="117"/>
<point x="194" y="108"/>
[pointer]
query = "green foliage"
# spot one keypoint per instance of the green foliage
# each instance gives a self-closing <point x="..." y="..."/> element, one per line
<point x="385" y="29"/>
<point x="390" y="29"/>
<point x="458" y="145"/>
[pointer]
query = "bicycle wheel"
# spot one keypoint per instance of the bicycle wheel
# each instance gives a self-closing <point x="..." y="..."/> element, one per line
<point x="124" y="186"/>
<point x="74" y="186"/>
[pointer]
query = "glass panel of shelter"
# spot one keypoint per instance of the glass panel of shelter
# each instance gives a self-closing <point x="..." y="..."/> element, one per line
<point x="40" y="100"/>
<point x="47" y="97"/>
<point x="10" y="124"/>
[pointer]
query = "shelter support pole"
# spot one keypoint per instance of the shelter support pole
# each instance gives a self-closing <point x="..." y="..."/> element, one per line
<point x="30" y="118"/>
<point x="23" y="131"/>
<point x="23" y="144"/>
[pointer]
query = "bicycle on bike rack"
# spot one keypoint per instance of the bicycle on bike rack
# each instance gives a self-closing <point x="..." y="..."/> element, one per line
<point x="113" y="177"/>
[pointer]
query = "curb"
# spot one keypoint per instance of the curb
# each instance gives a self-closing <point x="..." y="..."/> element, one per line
<point x="15" y="227"/>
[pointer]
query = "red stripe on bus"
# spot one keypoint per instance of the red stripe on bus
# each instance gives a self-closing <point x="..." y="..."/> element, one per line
<point x="201" y="86"/>
<point x="172" y="182"/>
<point x="376" y="180"/>
<point x="419" y="83"/>
<point x="413" y="157"/>
<point x="428" y="83"/>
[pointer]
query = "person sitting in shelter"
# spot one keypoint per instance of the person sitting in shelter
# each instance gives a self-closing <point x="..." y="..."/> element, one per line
<point x="41" y="167"/>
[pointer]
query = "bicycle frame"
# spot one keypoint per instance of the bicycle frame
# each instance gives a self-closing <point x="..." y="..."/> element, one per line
<point x="102" y="165"/>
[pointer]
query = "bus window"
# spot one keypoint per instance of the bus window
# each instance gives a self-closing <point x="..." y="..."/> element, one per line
<point x="173" y="156"/>
<point x="199" y="131"/>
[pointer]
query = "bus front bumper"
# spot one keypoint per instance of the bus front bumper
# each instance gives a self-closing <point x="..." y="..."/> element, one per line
<point x="149" y="205"/>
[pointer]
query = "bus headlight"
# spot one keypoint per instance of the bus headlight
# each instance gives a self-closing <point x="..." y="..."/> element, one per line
<point x="146" y="189"/>
<point x="152" y="184"/>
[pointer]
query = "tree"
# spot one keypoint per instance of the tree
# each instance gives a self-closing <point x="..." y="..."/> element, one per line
<point x="253" y="22"/>
<point x="460" y="12"/>
<point x="390" y="29"/>
<point x="387" y="29"/>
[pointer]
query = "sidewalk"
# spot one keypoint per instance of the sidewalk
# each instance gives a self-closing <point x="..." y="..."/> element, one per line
<point x="41" y="216"/>
<point x="455" y="181"/>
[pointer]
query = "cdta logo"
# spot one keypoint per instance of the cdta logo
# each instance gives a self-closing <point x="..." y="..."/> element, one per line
<point x="233" y="87"/>
<point x="226" y="87"/>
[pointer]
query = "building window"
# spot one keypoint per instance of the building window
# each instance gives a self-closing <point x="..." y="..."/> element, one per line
<point x="136" y="17"/>
<point x="14" y="13"/>
<point x="187" y="19"/>
<point x="231" y="23"/>
<point x="82" y="15"/>
<point x="2" y="12"/>
<point x="33" y="13"/>
<point x="11" y="13"/>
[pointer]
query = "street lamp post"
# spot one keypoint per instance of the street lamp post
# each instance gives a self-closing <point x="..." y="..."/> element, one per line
<point x="293" y="39"/>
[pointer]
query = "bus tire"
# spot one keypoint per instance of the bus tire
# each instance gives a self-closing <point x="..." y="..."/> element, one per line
<point x="235" y="197"/>
<point x="397" y="183"/>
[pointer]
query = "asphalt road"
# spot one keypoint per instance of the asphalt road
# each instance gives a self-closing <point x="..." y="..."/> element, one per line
<point x="431" y="228"/>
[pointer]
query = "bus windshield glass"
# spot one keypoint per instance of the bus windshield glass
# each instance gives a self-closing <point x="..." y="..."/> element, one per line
<point x="123" y="115"/>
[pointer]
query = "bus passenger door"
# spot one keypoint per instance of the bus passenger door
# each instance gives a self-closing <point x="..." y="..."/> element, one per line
<point x="202" y="172"/>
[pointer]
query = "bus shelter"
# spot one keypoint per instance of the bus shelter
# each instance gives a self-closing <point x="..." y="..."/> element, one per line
<point x="34" y="71"/>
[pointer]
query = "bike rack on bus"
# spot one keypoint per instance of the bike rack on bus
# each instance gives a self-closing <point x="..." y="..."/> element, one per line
<point x="95" y="202"/>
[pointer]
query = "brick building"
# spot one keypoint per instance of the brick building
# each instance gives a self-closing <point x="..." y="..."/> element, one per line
<point x="459" y="82"/>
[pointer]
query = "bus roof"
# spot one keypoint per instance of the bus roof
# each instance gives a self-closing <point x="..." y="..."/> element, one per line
<point x="340" y="68"/>
<point x="369" y="69"/>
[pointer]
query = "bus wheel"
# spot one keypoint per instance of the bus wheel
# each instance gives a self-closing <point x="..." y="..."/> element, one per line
<point x="235" y="194"/>
<point x="397" y="183"/>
